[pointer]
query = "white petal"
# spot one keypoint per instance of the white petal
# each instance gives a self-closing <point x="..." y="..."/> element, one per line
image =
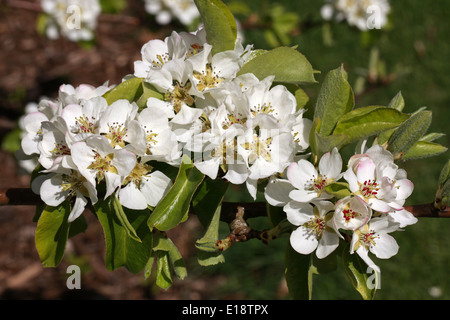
<point x="403" y="217"/>
<point x="385" y="246"/>
<point x="365" y="170"/>
<point x="252" y="187"/>
<point x="132" y="198"/>
<point x="379" y="205"/>
<point x="277" y="192"/>
<point x="187" y="115"/>
<point x="352" y="180"/>
<point x="300" y="173"/>
<point x="298" y="213"/>
<point x="404" y="188"/>
<point x="124" y="161"/>
<point x="364" y="254"/>
<point x="113" y="181"/>
<point x="52" y="192"/>
<point x="327" y="244"/>
<point x="209" y="167"/>
<point x="237" y="173"/>
<point x="303" y="195"/>
<point x="155" y="187"/>
<point x="303" y="241"/>
<point x="78" y="207"/>
<point x="330" y="164"/>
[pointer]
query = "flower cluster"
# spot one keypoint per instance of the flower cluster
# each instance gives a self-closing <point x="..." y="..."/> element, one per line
<point x="75" y="20"/>
<point x="238" y="127"/>
<point x="184" y="11"/>
<point x="373" y="207"/>
<point x="363" y="14"/>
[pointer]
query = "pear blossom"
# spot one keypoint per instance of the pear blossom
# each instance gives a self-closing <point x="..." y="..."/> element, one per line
<point x="266" y="148"/>
<point x="156" y="52"/>
<point x="143" y="187"/>
<point x="374" y="177"/>
<point x="66" y="184"/>
<point x="157" y="141"/>
<point x="309" y="182"/>
<point x="75" y="20"/>
<point x="374" y="237"/>
<point x="209" y="71"/>
<point x="68" y="94"/>
<point x="219" y="151"/>
<point x="172" y="80"/>
<point x="314" y="231"/>
<point x="185" y="11"/>
<point x="351" y="213"/>
<point x="118" y="124"/>
<point x="53" y="145"/>
<point x="97" y="160"/>
<point x="363" y="14"/>
<point x="32" y="125"/>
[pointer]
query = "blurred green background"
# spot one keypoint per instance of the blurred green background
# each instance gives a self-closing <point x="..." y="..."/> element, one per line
<point x="413" y="53"/>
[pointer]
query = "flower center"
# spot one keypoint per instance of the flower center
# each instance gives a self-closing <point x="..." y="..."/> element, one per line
<point x="140" y="171"/>
<point x="265" y="108"/>
<point x="207" y="79"/>
<point x="194" y="49"/>
<point x="349" y="214"/>
<point x="368" y="239"/>
<point x="83" y="125"/>
<point x="160" y="60"/>
<point x="117" y="134"/>
<point x="101" y="165"/>
<point x="259" y="147"/>
<point x="60" y="150"/>
<point x="232" y="119"/>
<point x="73" y="183"/>
<point x="178" y="96"/>
<point x="369" y="188"/>
<point x="316" y="225"/>
<point x="318" y="183"/>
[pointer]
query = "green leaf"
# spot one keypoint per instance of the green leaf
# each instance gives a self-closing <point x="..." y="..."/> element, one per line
<point x="322" y="144"/>
<point x="298" y="273"/>
<point x="285" y="63"/>
<point x="122" y="217"/>
<point x="208" y="198"/>
<point x="162" y="243"/>
<point x="364" y="122"/>
<point x="334" y="100"/>
<point x="338" y="189"/>
<point x="432" y="136"/>
<point x="174" y="207"/>
<point x="207" y="206"/>
<point x="302" y="98"/>
<point x="130" y="90"/>
<point x="424" y="149"/>
<point x="163" y="270"/>
<point x="356" y="270"/>
<point x="52" y="232"/>
<point x="409" y="133"/>
<point x="444" y="174"/>
<point x="397" y="103"/>
<point x="219" y="24"/>
<point x="325" y="265"/>
<point x="148" y="91"/>
<point x="121" y="249"/>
